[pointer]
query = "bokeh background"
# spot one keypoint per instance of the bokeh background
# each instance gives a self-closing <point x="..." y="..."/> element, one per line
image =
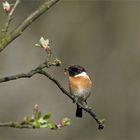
<point x="102" y="36"/>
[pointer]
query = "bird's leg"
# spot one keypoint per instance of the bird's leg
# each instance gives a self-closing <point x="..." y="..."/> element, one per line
<point x="75" y="99"/>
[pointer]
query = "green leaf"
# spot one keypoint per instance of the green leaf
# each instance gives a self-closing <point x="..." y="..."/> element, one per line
<point x="42" y="121"/>
<point x="50" y="126"/>
<point x="66" y="121"/>
<point x="44" y="125"/>
<point x="47" y="116"/>
<point x="38" y="45"/>
<point x="38" y="115"/>
<point x="36" y="124"/>
<point x="27" y="119"/>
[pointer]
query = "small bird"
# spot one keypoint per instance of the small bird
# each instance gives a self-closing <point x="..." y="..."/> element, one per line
<point x="79" y="85"/>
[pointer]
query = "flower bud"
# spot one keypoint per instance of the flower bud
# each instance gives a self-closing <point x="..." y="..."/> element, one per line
<point x="6" y="7"/>
<point x="43" y="44"/>
<point x="36" y="108"/>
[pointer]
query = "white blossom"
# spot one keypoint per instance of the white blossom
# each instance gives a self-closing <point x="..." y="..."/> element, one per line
<point x="6" y="6"/>
<point x="43" y="44"/>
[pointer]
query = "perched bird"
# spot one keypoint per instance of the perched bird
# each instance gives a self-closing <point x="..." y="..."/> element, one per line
<point x="79" y="85"/>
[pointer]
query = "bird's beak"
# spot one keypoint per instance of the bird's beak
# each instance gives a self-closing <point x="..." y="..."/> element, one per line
<point x="66" y="70"/>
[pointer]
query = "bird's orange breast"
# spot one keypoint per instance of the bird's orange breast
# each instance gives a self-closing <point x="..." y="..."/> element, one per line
<point x="80" y="82"/>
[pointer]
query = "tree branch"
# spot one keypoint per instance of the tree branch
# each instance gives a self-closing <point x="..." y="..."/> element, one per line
<point x="9" y="18"/>
<point x="85" y="108"/>
<point x="37" y="120"/>
<point x="58" y="84"/>
<point x="6" y="40"/>
<point x="40" y="70"/>
<point x="32" y="72"/>
<point x="23" y="75"/>
<point x="15" y="125"/>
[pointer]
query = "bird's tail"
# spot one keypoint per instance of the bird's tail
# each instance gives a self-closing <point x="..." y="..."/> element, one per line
<point x="79" y="112"/>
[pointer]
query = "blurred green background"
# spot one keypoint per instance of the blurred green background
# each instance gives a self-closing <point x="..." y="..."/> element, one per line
<point x="102" y="36"/>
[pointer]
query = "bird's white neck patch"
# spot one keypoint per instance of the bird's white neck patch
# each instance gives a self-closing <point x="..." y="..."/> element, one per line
<point x="84" y="74"/>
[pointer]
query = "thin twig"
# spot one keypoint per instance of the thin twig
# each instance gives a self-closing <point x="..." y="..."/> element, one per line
<point x="23" y="75"/>
<point x="15" y="125"/>
<point x="9" y="18"/>
<point x="24" y="24"/>
<point x="40" y="70"/>
<point x="87" y="109"/>
<point x="32" y="72"/>
<point x="58" y="84"/>
<point x="14" y="8"/>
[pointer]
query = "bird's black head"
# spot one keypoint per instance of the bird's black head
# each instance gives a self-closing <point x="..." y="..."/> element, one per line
<point x="74" y="70"/>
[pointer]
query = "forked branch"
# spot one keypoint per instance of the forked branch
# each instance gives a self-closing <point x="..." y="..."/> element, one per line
<point x="6" y="40"/>
<point x="39" y="70"/>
